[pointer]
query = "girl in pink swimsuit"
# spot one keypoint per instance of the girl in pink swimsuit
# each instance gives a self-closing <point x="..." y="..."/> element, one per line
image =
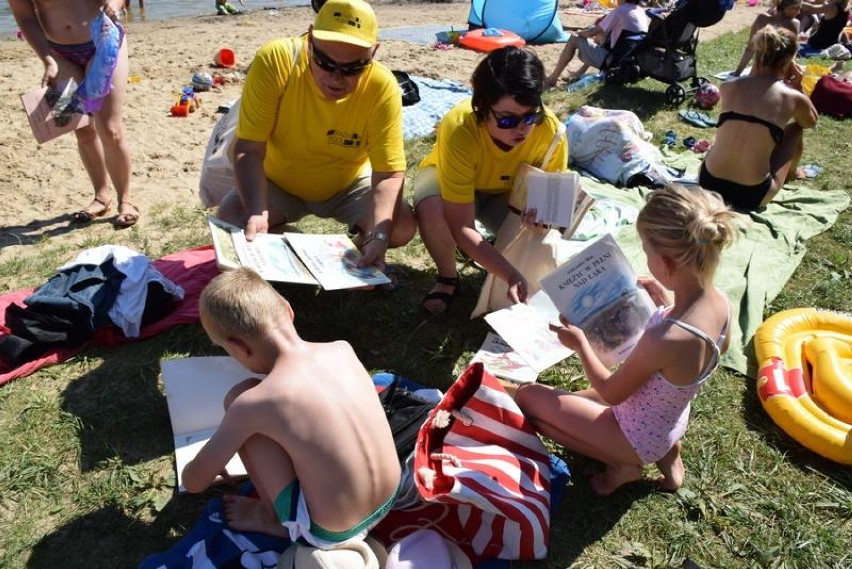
<point x="637" y="414"/>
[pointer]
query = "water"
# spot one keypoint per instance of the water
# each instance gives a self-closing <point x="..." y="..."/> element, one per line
<point x="163" y="10"/>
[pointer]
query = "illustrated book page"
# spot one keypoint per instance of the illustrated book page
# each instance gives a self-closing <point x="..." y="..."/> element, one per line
<point x="333" y="261"/>
<point x="502" y="361"/>
<point x="597" y="291"/>
<point x="46" y="127"/>
<point x="195" y="390"/>
<point x="526" y="327"/>
<point x="269" y="254"/>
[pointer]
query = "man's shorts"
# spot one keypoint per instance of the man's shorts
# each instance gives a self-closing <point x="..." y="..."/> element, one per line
<point x="591" y="53"/>
<point x="491" y="209"/>
<point x="348" y="206"/>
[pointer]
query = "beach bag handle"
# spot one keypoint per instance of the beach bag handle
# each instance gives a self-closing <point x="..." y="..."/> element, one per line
<point x="217" y="168"/>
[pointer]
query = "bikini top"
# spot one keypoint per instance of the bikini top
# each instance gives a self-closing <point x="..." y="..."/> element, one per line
<point x="713" y="362"/>
<point x="775" y="131"/>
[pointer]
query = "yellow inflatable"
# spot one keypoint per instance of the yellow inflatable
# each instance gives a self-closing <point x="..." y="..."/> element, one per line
<point x="805" y="378"/>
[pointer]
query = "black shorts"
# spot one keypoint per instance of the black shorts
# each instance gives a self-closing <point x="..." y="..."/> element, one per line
<point x="736" y="195"/>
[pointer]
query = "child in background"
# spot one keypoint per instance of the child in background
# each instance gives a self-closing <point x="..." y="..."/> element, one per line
<point x="784" y="15"/>
<point x="637" y="414"/>
<point x="312" y="435"/>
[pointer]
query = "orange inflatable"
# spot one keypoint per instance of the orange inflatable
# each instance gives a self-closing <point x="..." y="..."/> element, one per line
<point x="489" y="39"/>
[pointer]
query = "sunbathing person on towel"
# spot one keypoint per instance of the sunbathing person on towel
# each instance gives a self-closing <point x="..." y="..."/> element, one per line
<point x="312" y="434"/>
<point x="759" y="141"/>
<point x="470" y="172"/>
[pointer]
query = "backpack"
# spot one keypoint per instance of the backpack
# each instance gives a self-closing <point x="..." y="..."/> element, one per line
<point x="405" y="413"/>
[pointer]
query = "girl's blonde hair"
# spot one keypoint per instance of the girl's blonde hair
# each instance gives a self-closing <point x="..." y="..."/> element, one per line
<point x="241" y="302"/>
<point x="689" y="226"/>
<point x="773" y="47"/>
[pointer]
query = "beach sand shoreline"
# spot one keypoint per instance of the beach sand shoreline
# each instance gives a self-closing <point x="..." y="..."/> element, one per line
<point x="44" y="184"/>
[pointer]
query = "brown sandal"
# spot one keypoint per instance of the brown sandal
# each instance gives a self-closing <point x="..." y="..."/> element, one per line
<point x="127" y="218"/>
<point x="87" y="215"/>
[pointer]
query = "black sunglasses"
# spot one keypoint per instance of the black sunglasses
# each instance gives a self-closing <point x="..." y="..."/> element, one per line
<point x="329" y="65"/>
<point x="512" y="121"/>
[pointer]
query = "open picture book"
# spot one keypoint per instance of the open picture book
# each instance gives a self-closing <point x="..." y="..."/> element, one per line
<point x="502" y="361"/>
<point x="195" y="391"/>
<point x="596" y="290"/>
<point x="330" y="261"/>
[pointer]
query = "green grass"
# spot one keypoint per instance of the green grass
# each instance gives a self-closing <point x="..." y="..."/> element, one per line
<point x="86" y="471"/>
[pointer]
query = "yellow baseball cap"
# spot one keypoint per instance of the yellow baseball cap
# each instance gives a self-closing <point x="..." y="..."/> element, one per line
<point x="347" y="21"/>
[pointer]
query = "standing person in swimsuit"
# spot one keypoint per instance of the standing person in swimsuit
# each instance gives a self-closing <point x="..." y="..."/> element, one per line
<point x="312" y="435"/>
<point x="59" y="33"/>
<point x="637" y="414"/>
<point x="760" y="129"/>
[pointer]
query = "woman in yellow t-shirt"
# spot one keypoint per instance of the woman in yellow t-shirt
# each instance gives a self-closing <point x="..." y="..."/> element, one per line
<point x="470" y="171"/>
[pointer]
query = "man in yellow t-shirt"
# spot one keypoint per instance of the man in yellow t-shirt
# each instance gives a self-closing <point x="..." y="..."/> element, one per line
<point x="320" y="132"/>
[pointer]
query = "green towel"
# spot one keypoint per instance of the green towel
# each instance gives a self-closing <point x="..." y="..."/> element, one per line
<point x="757" y="266"/>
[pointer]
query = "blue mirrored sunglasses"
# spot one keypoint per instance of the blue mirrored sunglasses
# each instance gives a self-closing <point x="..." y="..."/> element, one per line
<point x="512" y="121"/>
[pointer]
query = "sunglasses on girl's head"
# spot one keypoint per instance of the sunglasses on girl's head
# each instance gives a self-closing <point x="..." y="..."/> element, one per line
<point x="512" y="121"/>
<point x="329" y="65"/>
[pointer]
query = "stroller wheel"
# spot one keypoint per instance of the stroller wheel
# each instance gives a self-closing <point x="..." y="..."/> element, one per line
<point x="675" y="94"/>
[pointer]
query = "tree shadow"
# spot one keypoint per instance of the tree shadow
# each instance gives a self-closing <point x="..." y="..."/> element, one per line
<point x="759" y="421"/>
<point x="40" y="229"/>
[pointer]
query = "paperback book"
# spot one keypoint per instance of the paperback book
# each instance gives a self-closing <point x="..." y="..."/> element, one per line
<point x="502" y="361"/>
<point x="41" y="106"/>
<point x="557" y="197"/>
<point x="330" y="261"/>
<point x="597" y="291"/>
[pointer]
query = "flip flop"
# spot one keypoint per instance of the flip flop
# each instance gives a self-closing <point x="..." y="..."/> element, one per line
<point x="670" y="138"/>
<point x="689" y="141"/>
<point x="701" y="146"/>
<point x="695" y="118"/>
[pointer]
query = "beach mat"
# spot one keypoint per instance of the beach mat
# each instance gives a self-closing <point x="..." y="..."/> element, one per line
<point x="426" y="34"/>
<point x="437" y="97"/>
<point x="191" y="269"/>
<point x="755" y="269"/>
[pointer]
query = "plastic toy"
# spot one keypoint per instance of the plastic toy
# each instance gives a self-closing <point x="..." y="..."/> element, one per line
<point x="186" y="102"/>
<point x="489" y="39"/>
<point x="805" y="378"/>
<point x="225" y="57"/>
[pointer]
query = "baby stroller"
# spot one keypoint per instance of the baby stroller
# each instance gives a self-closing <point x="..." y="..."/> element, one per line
<point x="667" y="52"/>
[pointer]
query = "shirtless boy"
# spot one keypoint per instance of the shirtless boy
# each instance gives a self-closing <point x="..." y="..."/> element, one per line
<point x="59" y="33"/>
<point x="312" y="434"/>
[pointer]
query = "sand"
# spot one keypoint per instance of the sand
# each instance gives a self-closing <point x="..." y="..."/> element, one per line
<point x="42" y="184"/>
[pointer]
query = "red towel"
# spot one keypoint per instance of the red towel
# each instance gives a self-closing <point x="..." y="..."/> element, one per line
<point x="191" y="269"/>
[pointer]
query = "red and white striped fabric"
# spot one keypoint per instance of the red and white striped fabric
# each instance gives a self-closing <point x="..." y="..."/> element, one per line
<point x="476" y="450"/>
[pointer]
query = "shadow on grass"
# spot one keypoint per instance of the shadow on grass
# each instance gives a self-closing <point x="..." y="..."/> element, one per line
<point x="39" y="230"/>
<point x="802" y="458"/>
<point x="109" y="537"/>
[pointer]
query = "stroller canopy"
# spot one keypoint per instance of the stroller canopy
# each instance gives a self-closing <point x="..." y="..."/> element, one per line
<point x="534" y="20"/>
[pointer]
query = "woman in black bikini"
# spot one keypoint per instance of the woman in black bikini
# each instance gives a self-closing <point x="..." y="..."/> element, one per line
<point x="759" y="138"/>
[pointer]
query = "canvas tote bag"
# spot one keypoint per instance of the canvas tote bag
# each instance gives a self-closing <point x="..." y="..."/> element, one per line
<point x="217" y="168"/>
<point x="478" y="452"/>
<point x="534" y="254"/>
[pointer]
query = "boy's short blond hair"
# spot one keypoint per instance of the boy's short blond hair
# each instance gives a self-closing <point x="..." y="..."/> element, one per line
<point x="241" y="302"/>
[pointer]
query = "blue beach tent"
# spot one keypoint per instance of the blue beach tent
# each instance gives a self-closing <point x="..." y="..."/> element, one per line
<point x="534" y="20"/>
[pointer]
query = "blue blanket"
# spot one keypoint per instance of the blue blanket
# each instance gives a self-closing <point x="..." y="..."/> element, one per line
<point x="436" y="98"/>
<point x="426" y="34"/>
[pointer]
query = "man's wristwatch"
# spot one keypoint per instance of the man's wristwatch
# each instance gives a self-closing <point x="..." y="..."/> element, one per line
<point x="375" y="236"/>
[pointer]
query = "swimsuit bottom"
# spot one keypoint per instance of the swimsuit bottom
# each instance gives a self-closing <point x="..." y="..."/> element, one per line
<point x="78" y="53"/>
<point x="737" y="195"/>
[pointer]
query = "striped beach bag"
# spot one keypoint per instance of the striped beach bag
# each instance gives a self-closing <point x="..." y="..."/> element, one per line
<point x="477" y="451"/>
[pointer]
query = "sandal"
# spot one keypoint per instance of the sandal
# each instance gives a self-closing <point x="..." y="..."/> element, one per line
<point x="127" y="218"/>
<point x="446" y="297"/>
<point x="87" y="215"/>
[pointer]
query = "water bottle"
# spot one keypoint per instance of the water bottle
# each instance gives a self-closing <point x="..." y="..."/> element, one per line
<point x="583" y="82"/>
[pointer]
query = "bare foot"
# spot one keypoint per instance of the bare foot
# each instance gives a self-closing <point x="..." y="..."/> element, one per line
<point x="249" y="514"/>
<point x="606" y="482"/>
<point x="672" y="469"/>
